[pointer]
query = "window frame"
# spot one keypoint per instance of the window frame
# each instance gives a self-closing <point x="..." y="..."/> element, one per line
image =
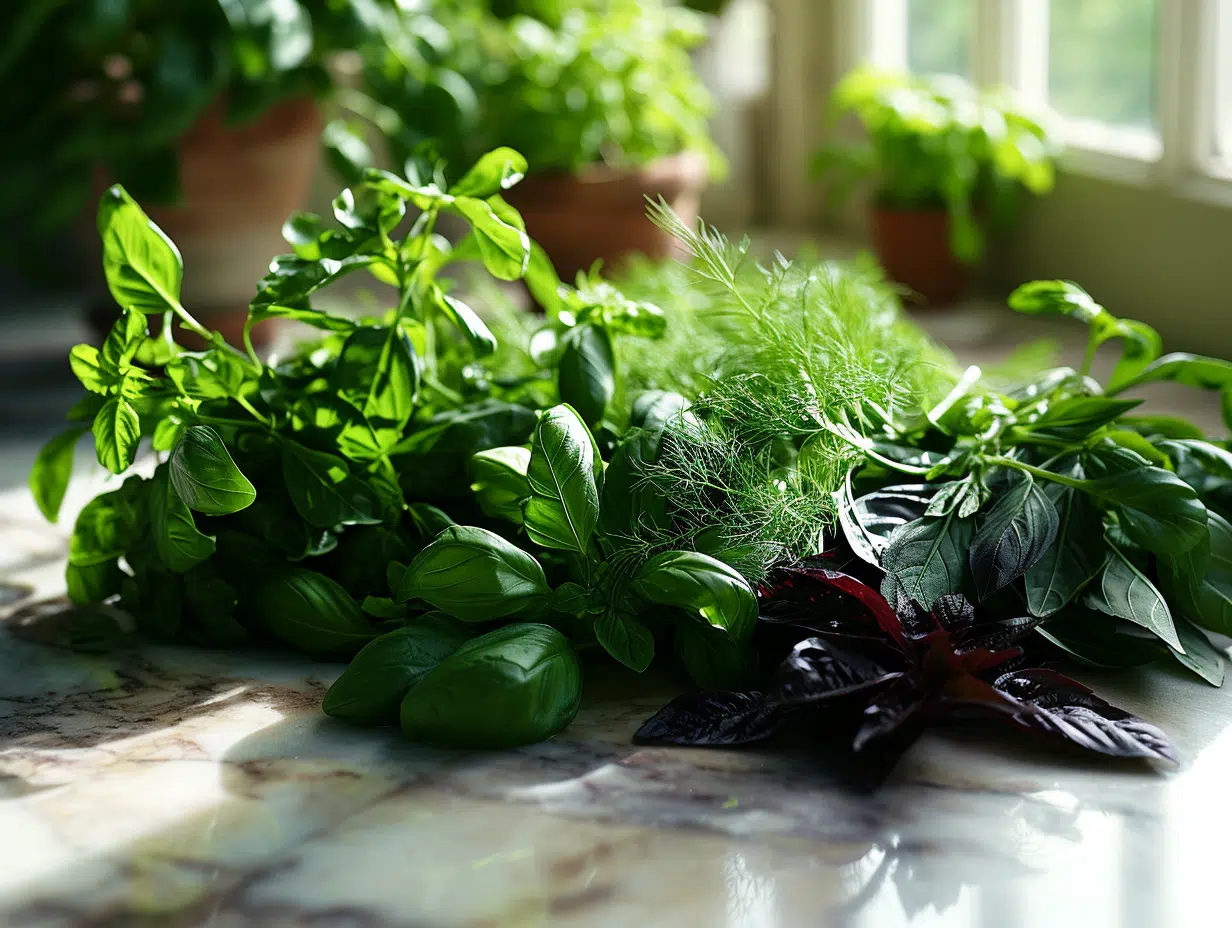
<point x="1010" y="49"/>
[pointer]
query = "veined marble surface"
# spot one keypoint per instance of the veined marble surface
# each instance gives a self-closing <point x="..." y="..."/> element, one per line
<point x="170" y="786"/>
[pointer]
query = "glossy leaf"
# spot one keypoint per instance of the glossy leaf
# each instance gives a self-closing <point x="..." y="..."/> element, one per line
<point x="323" y="490"/>
<point x="467" y="321"/>
<point x="379" y="371"/>
<point x="1122" y="590"/>
<point x="499" y="233"/>
<point x="205" y="476"/>
<point x="313" y="613"/>
<point x="371" y="689"/>
<point x="475" y="575"/>
<point x="180" y="545"/>
<point x="626" y="639"/>
<point x="493" y="173"/>
<point x="498" y="480"/>
<point x="143" y="267"/>
<point x="703" y="587"/>
<point x="926" y="559"/>
<point x="1155" y="508"/>
<point x="1073" y="559"/>
<point x="117" y="433"/>
<point x="563" y="508"/>
<point x="1200" y="656"/>
<point x="586" y="377"/>
<point x="1013" y="536"/>
<point x="517" y="685"/>
<point x="718" y="719"/>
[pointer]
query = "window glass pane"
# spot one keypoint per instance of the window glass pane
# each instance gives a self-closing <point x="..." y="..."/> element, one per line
<point x="939" y="36"/>
<point x="1102" y="60"/>
<point x="1223" y="83"/>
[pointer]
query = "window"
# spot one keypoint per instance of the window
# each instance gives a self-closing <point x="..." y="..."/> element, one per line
<point x="1142" y="88"/>
<point x="940" y="34"/>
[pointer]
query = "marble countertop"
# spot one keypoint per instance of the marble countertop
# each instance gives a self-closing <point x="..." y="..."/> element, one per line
<point x="170" y="786"/>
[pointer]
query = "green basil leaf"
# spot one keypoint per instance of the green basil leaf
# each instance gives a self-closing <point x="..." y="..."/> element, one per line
<point x="323" y="490"/>
<point x="494" y="172"/>
<point x="1191" y="370"/>
<point x="563" y="508"/>
<point x="626" y="639"/>
<point x="93" y="583"/>
<point x="1122" y="590"/>
<point x="107" y="526"/>
<point x="1056" y="298"/>
<point x="304" y="314"/>
<point x="371" y="689"/>
<point x="475" y="575"/>
<point x="209" y="375"/>
<point x="309" y="611"/>
<point x="586" y="377"/>
<point x="570" y="598"/>
<point x="1012" y="537"/>
<point x="125" y="337"/>
<point x="143" y="267"/>
<point x="346" y="150"/>
<point x="1142" y="346"/>
<point x="517" y="685"/>
<point x="499" y="233"/>
<point x="654" y="409"/>
<point x="378" y="371"/>
<point x="117" y="433"/>
<point x="702" y="586"/>
<point x="204" y="475"/>
<point x="1078" y="416"/>
<point x="1155" y="508"/>
<point x="1100" y="640"/>
<point x="498" y="480"/>
<point x="926" y="559"/>
<point x="302" y="231"/>
<point x="1170" y="427"/>
<point x="209" y="602"/>
<point x="52" y="471"/>
<point x="713" y="660"/>
<point x="1200" y="656"/>
<point x="1199" y="581"/>
<point x="466" y="321"/>
<point x="1073" y="559"/>
<point x="630" y="501"/>
<point x="90" y="369"/>
<point x="179" y="544"/>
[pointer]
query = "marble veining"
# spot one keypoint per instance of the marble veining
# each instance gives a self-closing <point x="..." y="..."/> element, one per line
<point x="162" y="786"/>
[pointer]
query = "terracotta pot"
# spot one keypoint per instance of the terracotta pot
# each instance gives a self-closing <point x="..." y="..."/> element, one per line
<point x="914" y="248"/>
<point x="237" y="184"/>
<point x="600" y="212"/>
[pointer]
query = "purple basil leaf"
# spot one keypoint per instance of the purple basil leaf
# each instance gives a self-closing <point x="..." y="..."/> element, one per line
<point x="818" y="670"/>
<point x="801" y="579"/>
<point x="999" y="635"/>
<point x="711" y="719"/>
<point x="954" y="612"/>
<point x="890" y="710"/>
<point x="1046" y="701"/>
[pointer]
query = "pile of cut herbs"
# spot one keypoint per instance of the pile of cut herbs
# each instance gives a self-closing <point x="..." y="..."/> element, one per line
<point x="761" y="476"/>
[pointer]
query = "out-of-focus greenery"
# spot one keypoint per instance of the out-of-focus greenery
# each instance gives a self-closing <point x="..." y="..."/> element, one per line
<point x="1102" y="60"/>
<point x="937" y="142"/>
<point x="112" y="85"/>
<point x="939" y="34"/>
<point x="567" y="84"/>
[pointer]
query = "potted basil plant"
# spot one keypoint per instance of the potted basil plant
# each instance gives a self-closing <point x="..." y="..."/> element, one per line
<point x="601" y="97"/>
<point x="946" y="161"/>
<point x="205" y="109"/>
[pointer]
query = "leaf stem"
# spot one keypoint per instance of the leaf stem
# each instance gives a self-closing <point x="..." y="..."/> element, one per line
<point x="1037" y="472"/>
<point x="256" y="415"/>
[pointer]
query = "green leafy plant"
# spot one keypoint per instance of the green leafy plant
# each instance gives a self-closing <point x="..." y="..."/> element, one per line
<point x="938" y="143"/>
<point x="469" y="520"/>
<point x="565" y="84"/>
<point x="111" y="87"/>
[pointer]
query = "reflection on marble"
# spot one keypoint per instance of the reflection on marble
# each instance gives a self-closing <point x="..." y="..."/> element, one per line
<point x="165" y="786"/>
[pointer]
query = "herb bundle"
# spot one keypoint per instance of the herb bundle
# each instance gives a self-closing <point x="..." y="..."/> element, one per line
<point x="466" y="519"/>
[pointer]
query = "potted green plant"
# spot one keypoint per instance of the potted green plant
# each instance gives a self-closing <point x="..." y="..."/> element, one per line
<point x="206" y="109"/>
<point x="946" y="160"/>
<point x="601" y="97"/>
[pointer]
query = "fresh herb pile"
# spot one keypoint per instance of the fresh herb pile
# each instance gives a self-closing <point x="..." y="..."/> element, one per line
<point x="765" y="478"/>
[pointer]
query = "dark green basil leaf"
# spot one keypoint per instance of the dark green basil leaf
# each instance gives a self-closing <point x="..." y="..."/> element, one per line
<point x="713" y="660"/>
<point x="498" y="170"/>
<point x="93" y="583"/>
<point x="311" y="612"/>
<point x="517" y="685"/>
<point x="563" y="508"/>
<point x="117" y="433"/>
<point x="378" y="371"/>
<point x="654" y="409"/>
<point x="926" y="559"/>
<point x="1192" y="370"/>
<point x="586" y="378"/>
<point x="702" y="586"/>
<point x="498" y="480"/>
<point x="1101" y="640"/>
<point x="1012" y="537"/>
<point x="1162" y="427"/>
<point x="52" y="471"/>
<point x="570" y="598"/>
<point x="1199" y="581"/>
<point x="371" y="689"/>
<point x="143" y="267"/>
<point x="1122" y="590"/>
<point x="630" y="500"/>
<point x="204" y="475"/>
<point x="1078" y="416"/>
<point x="475" y="575"/>
<point x="1074" y="558"/>
<point x="179" y="544"/>
<point x="1200" y="656"/>
<point x="209" y="605"/>
<point x="323" y="490"/>
<point x="107" y="525"/>
<point x="626" y="639"/>
<point x="1155" y="508"/>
